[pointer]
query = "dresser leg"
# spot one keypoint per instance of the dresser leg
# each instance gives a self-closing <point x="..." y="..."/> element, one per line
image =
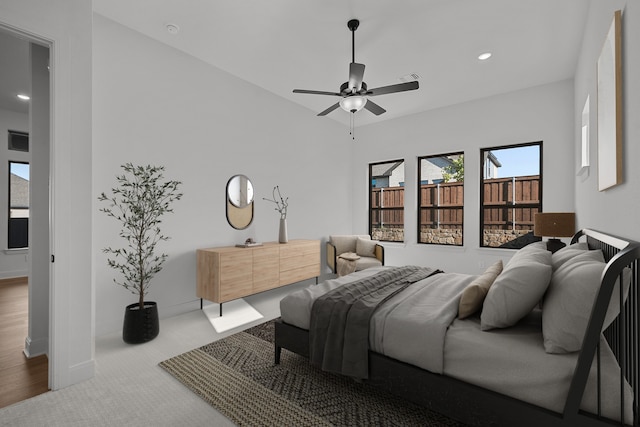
<point x="200" y="303"/>
<point x="220" y="309"/>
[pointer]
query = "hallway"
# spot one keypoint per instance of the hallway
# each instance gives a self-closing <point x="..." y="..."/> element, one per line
<point x="20" y="378"/>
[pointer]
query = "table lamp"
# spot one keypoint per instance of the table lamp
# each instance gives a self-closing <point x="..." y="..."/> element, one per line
<point x="554" y="225"/>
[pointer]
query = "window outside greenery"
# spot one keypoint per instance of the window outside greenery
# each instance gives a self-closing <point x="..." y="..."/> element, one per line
<point x="441" y="199"/>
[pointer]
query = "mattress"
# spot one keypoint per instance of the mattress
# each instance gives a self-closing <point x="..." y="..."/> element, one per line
<point x="510" y="361"/>
<point x="295" y="309"/>
<point x="513" y="362"/>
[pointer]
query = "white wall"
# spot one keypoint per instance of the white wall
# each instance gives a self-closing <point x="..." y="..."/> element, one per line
<point x="543" y="113"/>
<point x="156" y="105"/>
<point x="12" y="263"/>
<point x="616" y="209"/>
<point x="37" y="342"/>
<point x="66" y="24"/>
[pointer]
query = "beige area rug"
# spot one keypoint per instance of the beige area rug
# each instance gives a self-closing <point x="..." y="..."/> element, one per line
<point x="238" y="377"/>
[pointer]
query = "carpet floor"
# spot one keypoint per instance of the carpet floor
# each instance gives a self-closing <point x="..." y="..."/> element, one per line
<point x="237" y="376"/>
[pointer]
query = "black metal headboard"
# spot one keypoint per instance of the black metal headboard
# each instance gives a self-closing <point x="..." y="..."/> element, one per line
<point x="622" y="334"/>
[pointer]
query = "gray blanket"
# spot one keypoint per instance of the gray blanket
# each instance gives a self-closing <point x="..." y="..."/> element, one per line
<point x="339" y="329"/>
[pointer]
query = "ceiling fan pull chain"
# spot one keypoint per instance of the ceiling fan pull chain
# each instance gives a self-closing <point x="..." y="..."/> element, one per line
<point x="352" y="124"/>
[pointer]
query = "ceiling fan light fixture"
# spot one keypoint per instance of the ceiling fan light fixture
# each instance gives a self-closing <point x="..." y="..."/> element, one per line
<point x="352" y="104"/>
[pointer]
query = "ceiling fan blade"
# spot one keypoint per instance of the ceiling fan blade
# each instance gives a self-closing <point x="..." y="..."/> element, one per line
<point x="374" y="108"/>
<point x="400" y="87"/>
<point x="356" y="74"/>
<point x="330" y="109"/>
<point x="316" y="92"/>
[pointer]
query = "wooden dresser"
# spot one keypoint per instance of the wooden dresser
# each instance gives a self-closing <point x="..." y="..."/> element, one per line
<point x="227" y="273"/>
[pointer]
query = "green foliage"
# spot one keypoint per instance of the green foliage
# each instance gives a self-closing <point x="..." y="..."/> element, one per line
<point x="138" y="202"/>
<point x="455" y="171"/>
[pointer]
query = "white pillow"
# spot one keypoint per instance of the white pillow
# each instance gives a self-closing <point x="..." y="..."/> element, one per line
<point x="565" y="254"/>
<point x="569" y="301"/>
<point x="366" y="247"/>
<point x="516" y="291"/>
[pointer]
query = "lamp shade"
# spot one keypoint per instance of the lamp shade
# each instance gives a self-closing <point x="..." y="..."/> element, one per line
<point x="554" y="224"/>
<point x="351" y="104"/>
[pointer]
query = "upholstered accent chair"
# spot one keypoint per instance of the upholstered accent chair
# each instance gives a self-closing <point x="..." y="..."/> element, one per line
<point x="365" y="252"/>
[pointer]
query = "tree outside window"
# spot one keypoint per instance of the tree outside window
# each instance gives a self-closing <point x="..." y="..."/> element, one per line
<point x="441" y="199"/>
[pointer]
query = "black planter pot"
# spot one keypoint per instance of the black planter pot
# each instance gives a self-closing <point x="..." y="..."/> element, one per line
<point x="140" y="325"/>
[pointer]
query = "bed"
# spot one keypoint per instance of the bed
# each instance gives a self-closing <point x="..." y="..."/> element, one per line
<point x="541" y="370"/>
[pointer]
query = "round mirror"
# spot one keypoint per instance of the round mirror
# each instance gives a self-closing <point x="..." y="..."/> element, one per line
<point x="240" y="191"/>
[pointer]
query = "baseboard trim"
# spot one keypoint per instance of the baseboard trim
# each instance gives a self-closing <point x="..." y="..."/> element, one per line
<point x="178" y="309"/>
<point x="33" y="348"/>
<point x="115" y="325"/>
<point x="82" y="372"/>
<point x="13" y="276"/>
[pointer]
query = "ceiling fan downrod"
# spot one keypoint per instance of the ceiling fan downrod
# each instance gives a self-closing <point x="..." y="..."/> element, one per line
<point x="353" y="26"/>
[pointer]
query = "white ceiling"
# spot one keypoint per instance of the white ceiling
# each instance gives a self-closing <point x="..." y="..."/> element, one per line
<point x="14" y="76"/>
<point x="280" y="45"/>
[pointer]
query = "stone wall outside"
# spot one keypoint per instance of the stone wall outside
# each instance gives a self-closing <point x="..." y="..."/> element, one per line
<point x="447" y="236"/>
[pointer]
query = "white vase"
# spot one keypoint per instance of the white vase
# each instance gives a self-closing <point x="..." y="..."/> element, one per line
<point x="283" y="231"/>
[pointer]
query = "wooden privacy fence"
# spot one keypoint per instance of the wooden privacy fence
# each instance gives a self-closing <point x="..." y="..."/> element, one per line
<point x="511" y="203"/>
<point x="508" y="203"/>
<point x="441" y="205"/>
<point x="387" y="207"/>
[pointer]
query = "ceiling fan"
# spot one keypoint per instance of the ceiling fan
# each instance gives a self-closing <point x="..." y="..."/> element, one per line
<point x="354" y="93"/>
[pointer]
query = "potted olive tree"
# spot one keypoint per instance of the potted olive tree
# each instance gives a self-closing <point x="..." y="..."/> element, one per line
<point x="138" y="202"/>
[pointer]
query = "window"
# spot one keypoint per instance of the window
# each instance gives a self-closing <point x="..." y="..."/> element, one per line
<point x="386" y="201"/>
<point x="18" y="236"/>
<point x="510" y="194"/>
<point x="441" y="199"/>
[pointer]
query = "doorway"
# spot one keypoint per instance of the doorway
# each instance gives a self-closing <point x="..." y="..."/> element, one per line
<point x="25" y="269"/>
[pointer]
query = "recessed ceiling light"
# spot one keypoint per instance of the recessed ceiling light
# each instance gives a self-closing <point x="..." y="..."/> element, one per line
<point x="173" y="29"/>
<point x="24" y="97"/>
<point x="484" y="56"/>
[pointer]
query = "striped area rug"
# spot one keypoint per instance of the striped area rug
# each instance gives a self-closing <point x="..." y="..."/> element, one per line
<point x="237" y="376"/>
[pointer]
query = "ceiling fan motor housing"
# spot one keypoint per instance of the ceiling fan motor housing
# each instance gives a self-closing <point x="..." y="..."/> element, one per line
<point x="345" y="90"/>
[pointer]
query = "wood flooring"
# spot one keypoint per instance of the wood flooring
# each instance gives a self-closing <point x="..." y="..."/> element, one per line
<point x="20" y="378"/>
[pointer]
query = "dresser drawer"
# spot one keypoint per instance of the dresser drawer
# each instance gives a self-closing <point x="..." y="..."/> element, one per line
<point x="299" y="274"/>
<point x="266" y="274"/>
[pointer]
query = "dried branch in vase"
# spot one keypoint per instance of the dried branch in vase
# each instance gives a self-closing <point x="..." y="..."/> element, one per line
<point x="281" y="202"/>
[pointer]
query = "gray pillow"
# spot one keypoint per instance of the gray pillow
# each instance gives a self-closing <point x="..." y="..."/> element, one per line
<point x="532" y="252"/>
<point x="516" y="291"/>
<point x="566" y="253"/>
<point x="366" y="247"/>
<point x="569" y="301"/>
<point x="541" y="245"/>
